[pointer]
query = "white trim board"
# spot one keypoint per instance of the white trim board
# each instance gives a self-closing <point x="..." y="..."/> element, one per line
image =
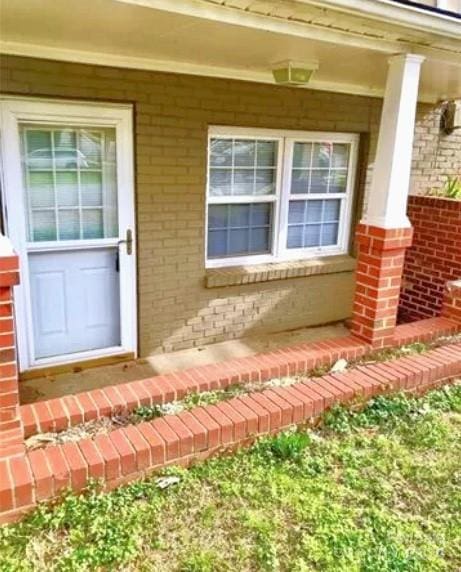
<point x="14" y="110"/>
<point x="152" y="64"/>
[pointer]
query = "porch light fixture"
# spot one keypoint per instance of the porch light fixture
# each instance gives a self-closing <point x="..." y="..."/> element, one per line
<point x="451" y="117"/>
<point x="289" y="72"/>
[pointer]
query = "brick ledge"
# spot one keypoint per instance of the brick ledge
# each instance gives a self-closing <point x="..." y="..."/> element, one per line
<point x="60" y="413"/>
<point x="135" y="451"/>
<point x="238" y="275"/>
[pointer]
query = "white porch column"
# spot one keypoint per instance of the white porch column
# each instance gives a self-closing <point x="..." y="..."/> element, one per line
<point x="385" y="231"/>
<point x="387" y="200"/>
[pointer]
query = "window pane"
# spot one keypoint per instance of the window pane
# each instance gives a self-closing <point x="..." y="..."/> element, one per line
<point x="314" y="211"/>
<point x="299" y="181"/>
<point x="260" y="240"/>
<point x="340" y="155"/>
<point x="243" y="182"/>
<point x="241" y="229"/>
<point x="67" y="189"/>
<point x="319" y="181"/>
<point x="261" y="214"/>
<point x="330" y="234"/>
<point x="80" y="172"/>
<point x="92" y="224"/>
<point x="244" y="153"/>
<point x="338" y="181"/>
<point x="266" y="154"/>
<point x="220" y="182"/>
<point x="265" y="182"/>
<point x="90" y="150"/>
<point x="38" y="148"/>
<point x="217" y="216"/>
<point x="312" y="235"/>
<point x="41" y="189"/>
<point x="326" y="172"/>
<point x="313" y="223"/>
<point x="91" y="189"/>
<point x="217" y="243"/>
<point x="295" y="236"/>
<point x="43" y="225"/>
<point x="221" y="152"/>
<point x="69" y="224"/>
<point x="302" y="155"/>
<point x="248" y="167"/>
<point x="296" y="211"/>
<point x="331" y="210"/>
<point x="239" y="241"/>
<point x="66" y="155"/>
<point x="239" y="215"/>
<point x="321" y="155"/>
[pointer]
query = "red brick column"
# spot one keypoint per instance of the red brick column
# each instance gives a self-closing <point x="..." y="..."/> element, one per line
<point x="381" y="254"/>
<point x="451" y="307"/>
<point x="11" y="430"/>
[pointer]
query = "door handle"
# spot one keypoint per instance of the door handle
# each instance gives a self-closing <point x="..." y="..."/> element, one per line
<point x="128" y="241"/>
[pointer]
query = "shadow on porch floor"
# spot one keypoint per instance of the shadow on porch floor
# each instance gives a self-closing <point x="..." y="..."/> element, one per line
<point x="52" y="386"/>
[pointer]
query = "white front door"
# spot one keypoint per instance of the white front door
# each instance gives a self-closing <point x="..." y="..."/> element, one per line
<point x="69" y="209"/>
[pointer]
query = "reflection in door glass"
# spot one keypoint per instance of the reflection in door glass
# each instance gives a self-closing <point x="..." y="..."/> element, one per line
<point x="70" y="180"/>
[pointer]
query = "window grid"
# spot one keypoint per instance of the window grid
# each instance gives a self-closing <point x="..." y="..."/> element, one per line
<point x="310" y="169"/>
<point x="344" y="161"/>
<point x="233" y="167"/>
<point x="251" y="227"/>
<point x="54" y="170"/>
<point x="322" y="221"/>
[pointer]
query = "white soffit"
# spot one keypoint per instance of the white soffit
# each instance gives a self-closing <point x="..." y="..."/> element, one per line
<point x="122" y="34"/>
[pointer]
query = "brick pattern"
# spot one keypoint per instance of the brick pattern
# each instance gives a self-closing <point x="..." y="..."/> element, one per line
<point x="173" y="111"/>
<point x="172" y="114"/>
<point x="451" y="307"/>
<point x="435" y="154"/>
<point x="132" y="452"/>
<point x="11" y="430"/>
<point x="434" y="257"/>
<point x="378" y="278"/>
<point x="59" y="413"/>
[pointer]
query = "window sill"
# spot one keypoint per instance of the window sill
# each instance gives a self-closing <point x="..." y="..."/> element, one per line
<point x="238" y="275"/>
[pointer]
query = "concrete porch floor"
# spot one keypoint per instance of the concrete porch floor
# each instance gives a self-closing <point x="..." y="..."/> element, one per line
<point x="61" y="384"/>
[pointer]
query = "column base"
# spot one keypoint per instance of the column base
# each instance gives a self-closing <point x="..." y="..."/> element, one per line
<point x="381" y="254"/>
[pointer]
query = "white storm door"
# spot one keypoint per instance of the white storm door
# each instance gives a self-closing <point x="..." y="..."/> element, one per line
<point x="70" y="215"/>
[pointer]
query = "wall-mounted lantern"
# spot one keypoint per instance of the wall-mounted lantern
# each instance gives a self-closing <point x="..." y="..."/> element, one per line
<point x="451" y="117"/>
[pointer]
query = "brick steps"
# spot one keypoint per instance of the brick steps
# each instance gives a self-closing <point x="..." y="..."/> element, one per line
<point x="61" y="413"/>
<point x="134" y="451"/>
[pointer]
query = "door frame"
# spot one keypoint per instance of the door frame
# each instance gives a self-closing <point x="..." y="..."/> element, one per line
<point x="14" y="110"/>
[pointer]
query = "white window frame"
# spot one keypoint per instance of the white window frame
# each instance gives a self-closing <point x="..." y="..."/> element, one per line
<point x="286" y="140"/>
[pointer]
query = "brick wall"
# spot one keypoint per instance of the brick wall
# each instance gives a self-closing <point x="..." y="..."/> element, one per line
<point x="173" y="112"/>
<point x="11" y="430"/>
<point x="172" y="117"/>
<point x="433" y="259"/>
<point x="435" y="155"/>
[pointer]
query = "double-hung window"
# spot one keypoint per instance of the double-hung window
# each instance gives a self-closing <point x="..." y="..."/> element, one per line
<point x="278" y="195"/>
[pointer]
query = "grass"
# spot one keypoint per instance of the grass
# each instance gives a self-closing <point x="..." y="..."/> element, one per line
<point x="375" y="490"/>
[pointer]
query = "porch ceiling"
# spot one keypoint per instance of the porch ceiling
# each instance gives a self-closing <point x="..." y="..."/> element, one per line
<point x="234" y="38"/>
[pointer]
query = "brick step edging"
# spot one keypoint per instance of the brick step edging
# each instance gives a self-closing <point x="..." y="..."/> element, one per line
<point x="63" y="412"/>
<point x="134" y="451"/>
